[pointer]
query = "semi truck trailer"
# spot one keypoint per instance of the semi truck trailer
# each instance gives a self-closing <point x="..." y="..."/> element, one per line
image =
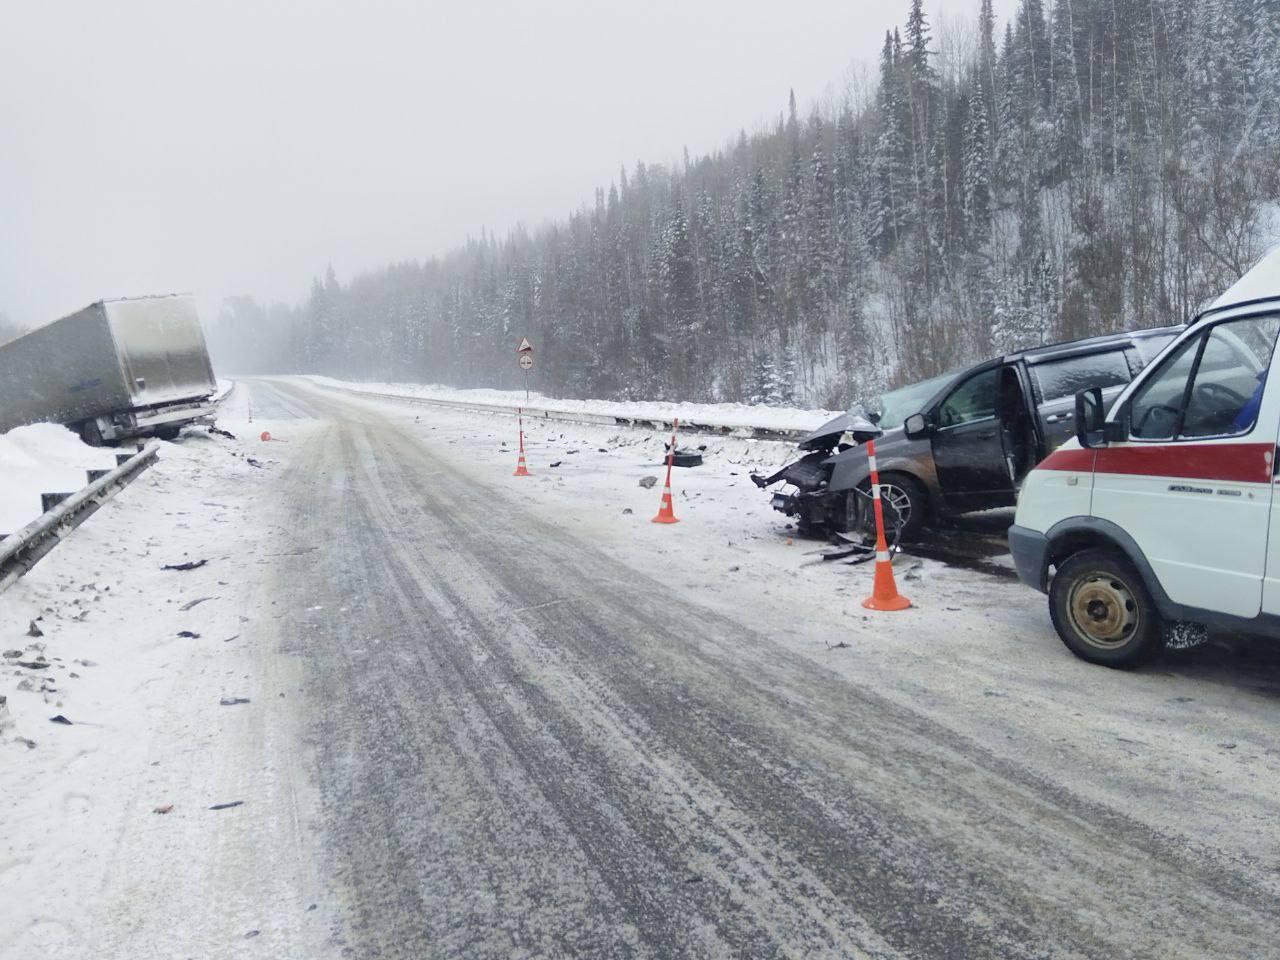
<point x="116" y="369"/>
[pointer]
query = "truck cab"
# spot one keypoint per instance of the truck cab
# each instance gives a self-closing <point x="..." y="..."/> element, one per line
<point x="1160" y="512"/>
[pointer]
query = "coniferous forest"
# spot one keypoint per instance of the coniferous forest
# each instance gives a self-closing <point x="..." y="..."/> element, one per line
<point x="1091" y="166"/>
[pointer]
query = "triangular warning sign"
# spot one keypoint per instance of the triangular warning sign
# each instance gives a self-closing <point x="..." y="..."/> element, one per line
<point x="525" y="346"/>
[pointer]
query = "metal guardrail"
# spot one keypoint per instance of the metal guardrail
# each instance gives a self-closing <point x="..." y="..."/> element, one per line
<point x="21" y="551"/>
<point x="740" y="431"/>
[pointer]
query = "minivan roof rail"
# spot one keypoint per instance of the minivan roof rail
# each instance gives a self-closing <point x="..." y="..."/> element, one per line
<point x="1098" y="338"/>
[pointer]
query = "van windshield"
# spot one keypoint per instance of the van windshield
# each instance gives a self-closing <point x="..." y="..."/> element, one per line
<point x="890" y="409"/>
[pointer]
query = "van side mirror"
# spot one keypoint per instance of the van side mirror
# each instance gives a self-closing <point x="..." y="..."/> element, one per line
<point x="916" y="427"/>
<point x="1091" y="419"/>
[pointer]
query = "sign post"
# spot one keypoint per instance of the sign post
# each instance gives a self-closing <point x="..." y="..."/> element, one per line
<point x="524" y="354"/>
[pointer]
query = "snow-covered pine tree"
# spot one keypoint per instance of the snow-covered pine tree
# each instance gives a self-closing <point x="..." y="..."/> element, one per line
<point x="977" y="172"/>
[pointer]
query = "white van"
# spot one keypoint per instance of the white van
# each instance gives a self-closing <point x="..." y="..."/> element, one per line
<point x="1162" y="511"/>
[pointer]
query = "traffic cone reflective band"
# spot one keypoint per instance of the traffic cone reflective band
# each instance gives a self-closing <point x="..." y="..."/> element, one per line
<point x="884" y="592"/>
<point x="521" y="469"/>
<point x="666" y="511"/>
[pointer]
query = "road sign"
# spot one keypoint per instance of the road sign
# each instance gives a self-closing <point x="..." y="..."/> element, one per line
<point x="526" y="361"/>
<point x="525" y="346"/>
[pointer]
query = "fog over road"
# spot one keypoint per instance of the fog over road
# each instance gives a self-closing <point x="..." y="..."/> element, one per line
<point x="522" y="746"/>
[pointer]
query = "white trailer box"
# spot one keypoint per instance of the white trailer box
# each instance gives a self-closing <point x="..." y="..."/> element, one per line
<point x="117" y="368"/>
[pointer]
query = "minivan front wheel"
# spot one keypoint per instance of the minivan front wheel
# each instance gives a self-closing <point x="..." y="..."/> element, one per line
<point x="905" y="506"/>
<point x="1102" y="610"/>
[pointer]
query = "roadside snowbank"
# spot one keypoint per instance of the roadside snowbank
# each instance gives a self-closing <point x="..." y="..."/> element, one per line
<point x="42" y="458"/>
<point x="105" y="812"/>
<point x="742" y="415"/>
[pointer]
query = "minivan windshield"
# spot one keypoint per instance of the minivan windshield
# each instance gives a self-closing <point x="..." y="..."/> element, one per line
<point x="890" y="409"/>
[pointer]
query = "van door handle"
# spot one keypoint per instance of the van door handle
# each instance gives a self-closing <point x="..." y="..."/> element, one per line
<point x="1057" y="417"/>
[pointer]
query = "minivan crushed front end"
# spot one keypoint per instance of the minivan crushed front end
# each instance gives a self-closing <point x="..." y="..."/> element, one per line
<point x="825" y="486"/>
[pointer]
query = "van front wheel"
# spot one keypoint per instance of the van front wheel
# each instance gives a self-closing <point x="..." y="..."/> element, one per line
<point x="1102" y="610"/>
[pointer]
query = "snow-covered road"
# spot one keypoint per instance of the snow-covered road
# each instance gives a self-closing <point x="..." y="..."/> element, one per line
<point x="498" y="717"/>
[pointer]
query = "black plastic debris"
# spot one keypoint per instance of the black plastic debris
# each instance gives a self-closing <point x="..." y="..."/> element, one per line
<point x="189" y="565"/>
<point x="188" y="635"/>
<point x="844" y="550"/>
<point x="60" y="719"/>
<point x="228" y="805"/>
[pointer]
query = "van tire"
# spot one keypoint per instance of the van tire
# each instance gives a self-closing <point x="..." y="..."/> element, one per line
<point x="1103" y="611"/>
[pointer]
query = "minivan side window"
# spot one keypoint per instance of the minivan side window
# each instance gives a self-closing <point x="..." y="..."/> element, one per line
<point x="1150" y="347"/>
<point x="973" y="400"/>
<point x="1211" y="386"/>
<point x="1059" y="379"/>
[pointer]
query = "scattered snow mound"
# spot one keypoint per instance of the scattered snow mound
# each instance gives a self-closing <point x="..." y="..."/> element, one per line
<point x="42" y="458"/>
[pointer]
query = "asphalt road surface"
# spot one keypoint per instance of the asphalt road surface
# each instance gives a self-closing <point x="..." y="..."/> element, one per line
<point x="524" y="747"/>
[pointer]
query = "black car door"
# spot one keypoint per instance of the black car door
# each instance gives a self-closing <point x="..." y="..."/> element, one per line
<point x="968" y="446"/>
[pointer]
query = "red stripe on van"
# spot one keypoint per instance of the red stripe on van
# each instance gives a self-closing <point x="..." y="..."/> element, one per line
<point x="1075" y="460"/>
<point x="1234" y="462"/>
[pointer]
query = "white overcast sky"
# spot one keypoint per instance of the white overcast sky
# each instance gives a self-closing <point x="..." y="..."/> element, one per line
<point x="239" y="146"/>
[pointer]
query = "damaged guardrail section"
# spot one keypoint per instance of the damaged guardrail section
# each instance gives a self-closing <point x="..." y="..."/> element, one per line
<point x="640" y="423"/>
<point x="21" y="551"/>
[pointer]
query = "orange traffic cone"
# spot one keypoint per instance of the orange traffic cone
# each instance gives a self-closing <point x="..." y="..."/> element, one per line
<point x="521" y="469"/>
<point x="884" y="591"/>
<point x="666" y="511"/>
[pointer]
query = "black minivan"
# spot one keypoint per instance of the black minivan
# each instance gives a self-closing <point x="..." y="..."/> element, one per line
<point x="960" y="442"/>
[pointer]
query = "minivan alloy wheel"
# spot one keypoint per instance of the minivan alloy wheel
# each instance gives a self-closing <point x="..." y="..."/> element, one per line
<point x="903" y="501"/>
<point x="898" y="499"/>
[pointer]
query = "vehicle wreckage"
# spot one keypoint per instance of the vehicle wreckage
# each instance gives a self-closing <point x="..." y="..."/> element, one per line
<point x="957" y="443"/>
<point x="826" y="494"/>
